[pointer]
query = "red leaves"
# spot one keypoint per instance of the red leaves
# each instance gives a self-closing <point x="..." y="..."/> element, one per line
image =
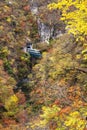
<point x="56" y="102"/>
<point x="21" y="98"/>
<point x="65" y="110"/>
<point x="22" y="116"/>
<point x="8" y="121"/>
<point x="26" y="8"/>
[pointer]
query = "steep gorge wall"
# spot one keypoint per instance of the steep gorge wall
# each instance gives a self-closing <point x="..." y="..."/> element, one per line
<point x="49" y="24"/>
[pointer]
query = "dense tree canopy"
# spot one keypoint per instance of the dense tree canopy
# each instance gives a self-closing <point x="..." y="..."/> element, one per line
<point x="68" y="63"/>
<point x="74" y="13"/>
<point x="57" y="82"/>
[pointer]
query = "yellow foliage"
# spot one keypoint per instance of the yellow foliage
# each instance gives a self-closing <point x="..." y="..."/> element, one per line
<point x="74" y="120"/>
<point x="76" y="19"/>
<point x="49" y="113"/>
<point x="1" y="27"/>
<point x="6" y="8"/>
<point x="11" y="102"/>
<point x="74" y="14"/>
<point x="8" y="19"/>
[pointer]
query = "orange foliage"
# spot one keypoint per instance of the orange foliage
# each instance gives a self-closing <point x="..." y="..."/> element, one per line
<point x="39" y="91"/>
<point x="65" y="110"/>
<point x="53" y="125"/>
<point x="23" y="24"/>
<point x="22" y="116"/>
<point x="74" y="93"/>
<point x="21" y="98"/>
<point x="8" y="121"/>
<point x="26" y="8"/>
<point x="56" y="102"/>
<point x="1" y="62"/>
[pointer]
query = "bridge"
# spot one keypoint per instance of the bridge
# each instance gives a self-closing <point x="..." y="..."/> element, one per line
<point x="33" y="52"/>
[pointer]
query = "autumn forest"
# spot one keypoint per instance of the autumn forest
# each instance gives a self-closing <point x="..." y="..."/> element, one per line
<point x="43" y="64"/>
